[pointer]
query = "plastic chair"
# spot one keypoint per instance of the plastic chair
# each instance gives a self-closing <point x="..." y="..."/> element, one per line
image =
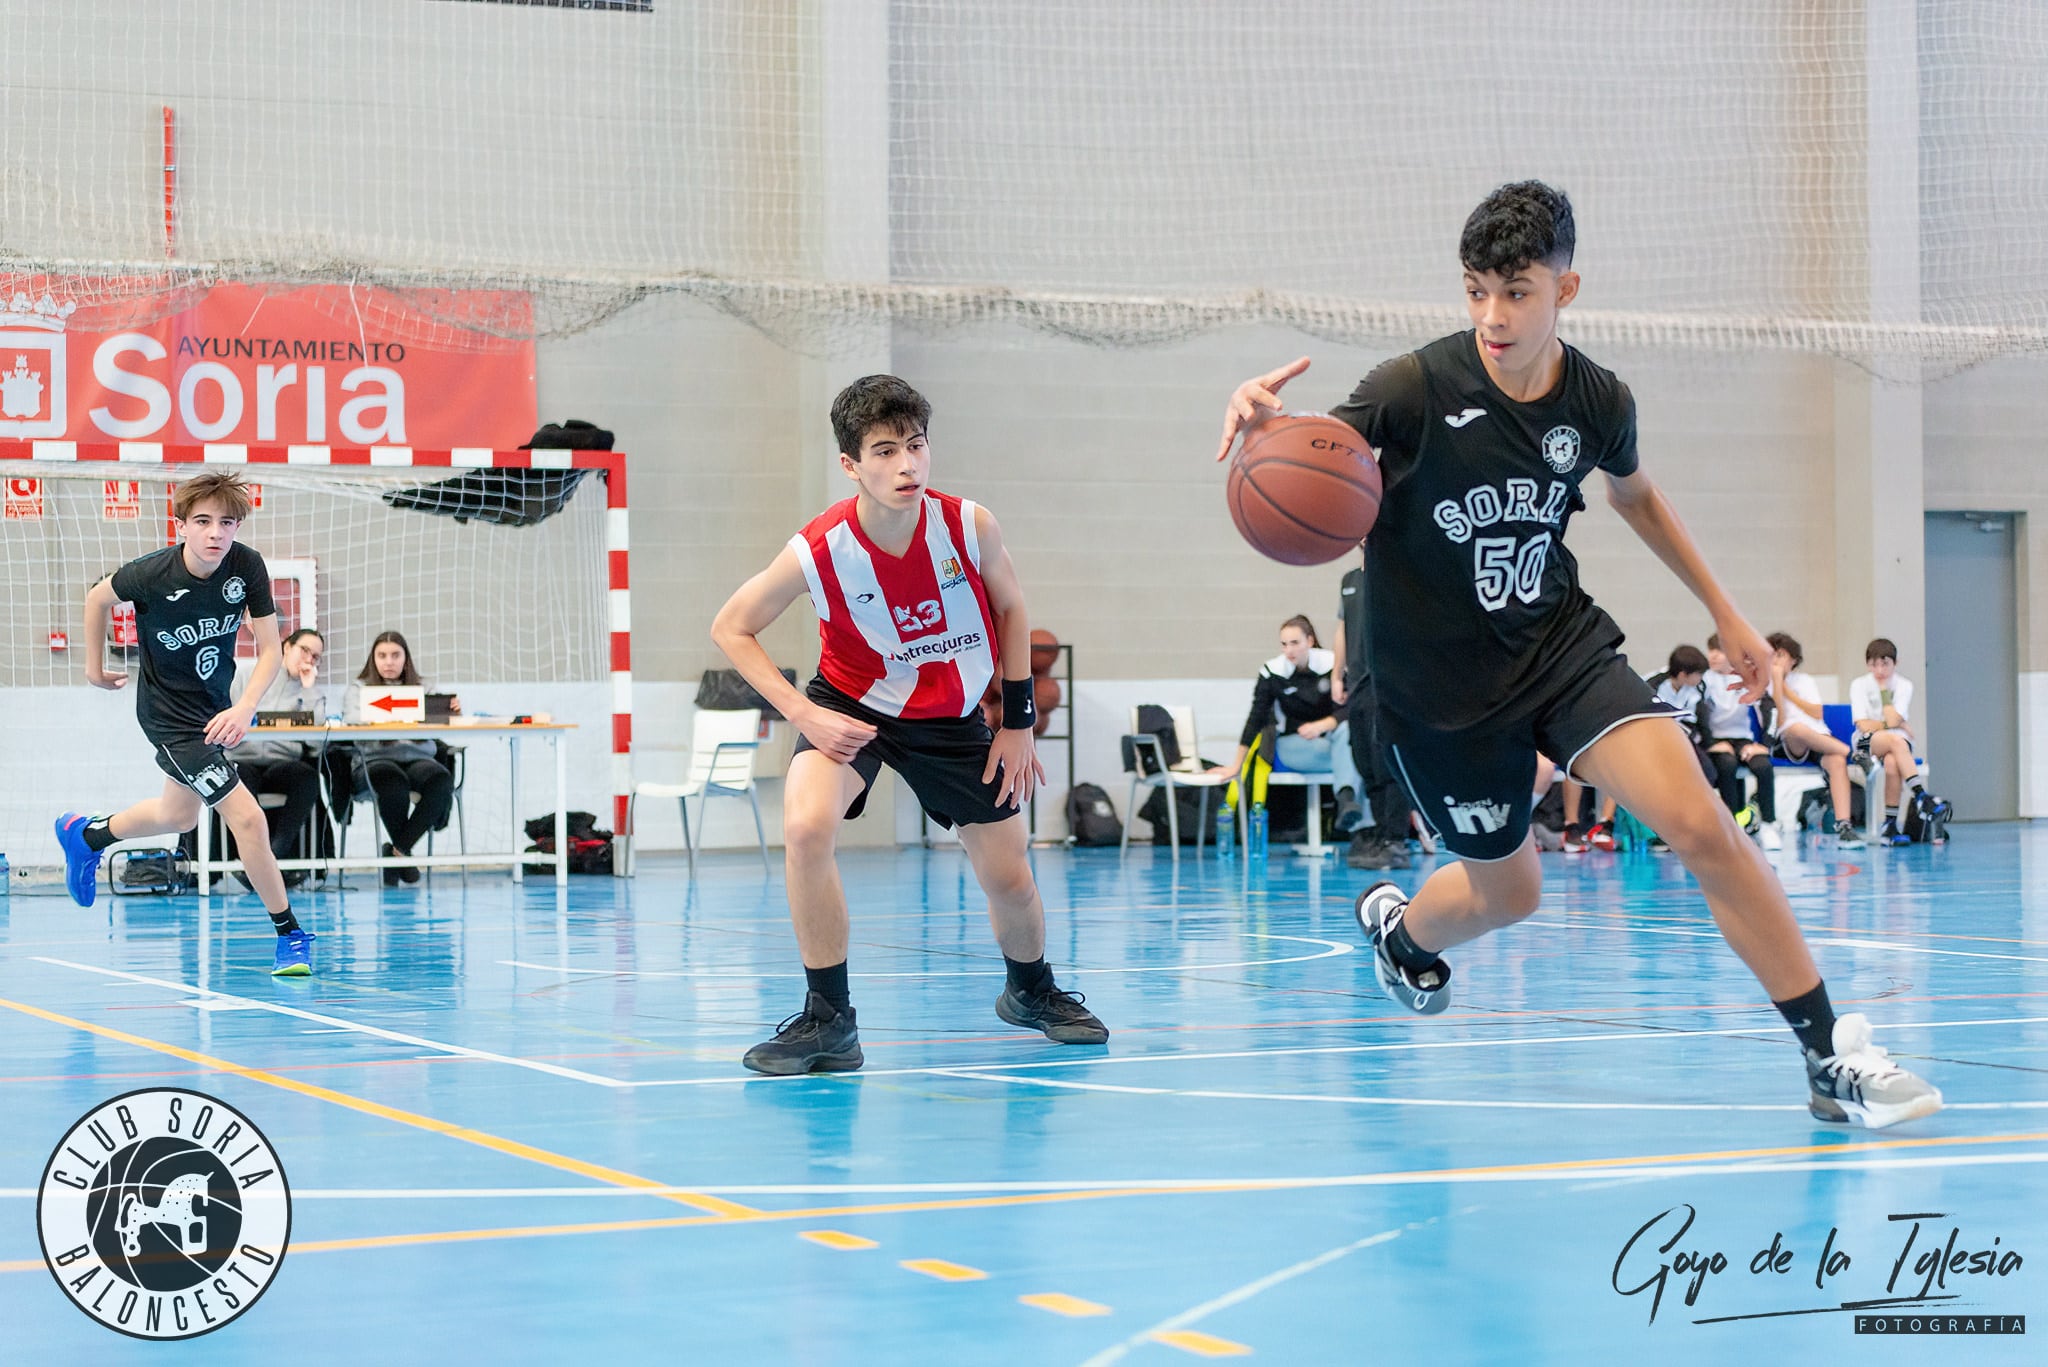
<point x="723" y="748"/>
<point x="1148" y="768"/>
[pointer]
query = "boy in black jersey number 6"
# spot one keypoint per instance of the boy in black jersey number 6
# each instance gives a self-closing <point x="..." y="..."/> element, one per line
<point x="1487" y="651"/>
<point x="190" y="599"/>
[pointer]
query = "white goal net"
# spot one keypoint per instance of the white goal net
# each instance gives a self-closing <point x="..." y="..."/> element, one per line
<point x="1123" y="173"/>
<point x="498" y="580"/>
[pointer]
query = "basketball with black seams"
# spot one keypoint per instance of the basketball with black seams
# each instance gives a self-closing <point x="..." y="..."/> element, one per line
<point x="1304" y="488"/>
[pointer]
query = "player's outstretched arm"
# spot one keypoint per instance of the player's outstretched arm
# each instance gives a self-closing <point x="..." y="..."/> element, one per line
<point x="736" y="630"/>
<point x="227" y="728"/>
<point x="1255" y="400"/>
<point x="1014" y="755"/>
<point x="1656" y="523"/>
<point x="99" y="601"/>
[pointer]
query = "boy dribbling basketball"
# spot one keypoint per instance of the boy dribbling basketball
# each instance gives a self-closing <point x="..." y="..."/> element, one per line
<point x="1486" y="650"/>
<point x="190" y="600"/>
<point x="918" y="608"/>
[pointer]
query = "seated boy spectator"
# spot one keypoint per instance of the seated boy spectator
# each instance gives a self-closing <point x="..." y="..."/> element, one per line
<point x="1731" y="748"/>
<point x="1803" y="731"/>
<point x="1882" y="704"/>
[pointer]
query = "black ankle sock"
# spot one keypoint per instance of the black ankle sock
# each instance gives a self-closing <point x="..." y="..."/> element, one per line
<point x="830" y="983"/>
<point x="1403" y="950"/>
<point x="285" y="922"/>
<point x="1030" y="980"/>
<point x="99" y="833"/>
<point x="1812" y="1019"/>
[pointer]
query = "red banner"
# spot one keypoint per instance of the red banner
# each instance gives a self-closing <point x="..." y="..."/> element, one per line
<point x="297" y="367"/>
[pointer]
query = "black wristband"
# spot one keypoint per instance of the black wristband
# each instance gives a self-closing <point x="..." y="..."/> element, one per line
<point x="1019" y="712"/>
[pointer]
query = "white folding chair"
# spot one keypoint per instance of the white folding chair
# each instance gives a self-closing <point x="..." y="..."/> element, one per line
<point x="723" y="747"/>
<point x="1150" y="770"/>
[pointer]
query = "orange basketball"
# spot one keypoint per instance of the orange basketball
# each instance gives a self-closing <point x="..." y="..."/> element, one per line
<point x="1304" y="489"/>
<point x="1045" y="650"/>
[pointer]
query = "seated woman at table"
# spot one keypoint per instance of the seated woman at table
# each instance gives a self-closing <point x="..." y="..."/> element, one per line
<point x="396" y="769"/>
<point x="285" y="767"/>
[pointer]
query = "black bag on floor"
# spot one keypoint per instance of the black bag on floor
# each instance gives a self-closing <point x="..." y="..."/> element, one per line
<point x="161" y="872"/>
<point x="590" y="845"/>
<point x="1927" y="818"/>
<point x="1091" y="817"/>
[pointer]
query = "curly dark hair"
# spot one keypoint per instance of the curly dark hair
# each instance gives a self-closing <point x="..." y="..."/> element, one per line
<point x="877" y="401"/>
<point x="1517" y="224"/>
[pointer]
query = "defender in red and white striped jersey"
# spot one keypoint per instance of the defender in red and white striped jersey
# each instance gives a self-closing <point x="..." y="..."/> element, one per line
<point x="918" y="608"/>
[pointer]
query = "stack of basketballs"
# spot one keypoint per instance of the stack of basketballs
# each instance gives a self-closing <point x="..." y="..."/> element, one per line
<point x="1045" y="689"/>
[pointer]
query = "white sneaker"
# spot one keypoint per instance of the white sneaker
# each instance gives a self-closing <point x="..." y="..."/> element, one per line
<point x="1860" y="1085"/>
<point x="1768" y="834"/>
<point x="1379" y="909"/>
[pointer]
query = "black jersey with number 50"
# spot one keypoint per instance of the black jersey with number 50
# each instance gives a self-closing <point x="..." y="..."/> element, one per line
<point x="186" y="627"/>
<point x="1476" y="603"/>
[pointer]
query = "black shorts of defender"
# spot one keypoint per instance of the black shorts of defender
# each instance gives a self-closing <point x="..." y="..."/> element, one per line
<point x="198" y="764"/>
<point x="941" y="758"/>
<point x="1473" y="786"/>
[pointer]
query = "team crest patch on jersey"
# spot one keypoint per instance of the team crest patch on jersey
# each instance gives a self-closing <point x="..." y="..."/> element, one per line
<point x="235" y="590"/>
<point x="949" y="569"/>
<point x="1561" y="448"/>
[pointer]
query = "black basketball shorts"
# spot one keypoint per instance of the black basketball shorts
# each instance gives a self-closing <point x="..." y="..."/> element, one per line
<point x="941" y="758"/>
<point x="204" y="768"/>
<point x="1473" y="786"/>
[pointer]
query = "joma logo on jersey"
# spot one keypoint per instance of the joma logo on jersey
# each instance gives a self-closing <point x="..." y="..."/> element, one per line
<point x="1477" y="818"/>
<point x="208" y="628"/>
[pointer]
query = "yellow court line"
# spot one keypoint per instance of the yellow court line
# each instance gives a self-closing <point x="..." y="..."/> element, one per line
<point x="1200" y="1344"/>
<point x="832" y="1238"/>
<point x="943" y="1270"/>
<point x="510" y="1147"/>
<point x="1060" y="1303"/>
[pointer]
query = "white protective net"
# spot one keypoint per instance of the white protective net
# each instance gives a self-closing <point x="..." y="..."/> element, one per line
<point x="1123" y="173"/>
<point x="481" y="603"/>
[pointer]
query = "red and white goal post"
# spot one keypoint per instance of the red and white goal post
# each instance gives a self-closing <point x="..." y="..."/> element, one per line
<point x="506" y="571"/>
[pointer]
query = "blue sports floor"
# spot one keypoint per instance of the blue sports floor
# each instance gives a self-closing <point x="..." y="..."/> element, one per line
<point x="517" y="1130"/>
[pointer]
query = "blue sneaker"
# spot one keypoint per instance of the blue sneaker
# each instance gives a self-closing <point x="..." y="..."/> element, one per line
<point x="81" y="861"/>
<point x="294" y="954"/>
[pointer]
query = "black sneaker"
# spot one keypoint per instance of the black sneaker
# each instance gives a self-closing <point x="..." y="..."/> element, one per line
<point x="1380" y="908"/>
<point x="1859" y="1084"/>
<point x="1367" y="851"/>
<point x="1350" y="816"/>
<point x="1057" y="1014"/>
<point x="816" y="1039"/>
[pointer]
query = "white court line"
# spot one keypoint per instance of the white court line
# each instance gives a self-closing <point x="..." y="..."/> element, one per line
<point x="1331" y="949"/>
<point x="741" y="1078"/>
<point x="1193" y="1186"/>
<point x="1758" y="1032"/>
<point x="1816" y="941"/>
<point x="337" y="1024"/>
<point x="1457" y="1103"/>
<point x="1244" y="1293"/>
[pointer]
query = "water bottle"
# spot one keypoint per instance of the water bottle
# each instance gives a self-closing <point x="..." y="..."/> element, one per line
<point x="1255" y="844"/>
<point x="6" y="875"/>
<point x="1226" y="833"/>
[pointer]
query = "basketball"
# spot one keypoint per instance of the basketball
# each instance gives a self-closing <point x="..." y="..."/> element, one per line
<point x="1045" y="651"/>
<point x="1304" y="489"/>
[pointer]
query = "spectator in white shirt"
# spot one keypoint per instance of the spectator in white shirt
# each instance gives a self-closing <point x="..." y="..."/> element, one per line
<point x="1881" y="702"/>
<point x="1802" y="730"/>
<point x="1733" y="748"/>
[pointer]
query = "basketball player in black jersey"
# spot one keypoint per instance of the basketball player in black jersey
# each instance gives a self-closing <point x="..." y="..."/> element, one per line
<point x="1486" y="650"/>
<point x="191" y="599"/>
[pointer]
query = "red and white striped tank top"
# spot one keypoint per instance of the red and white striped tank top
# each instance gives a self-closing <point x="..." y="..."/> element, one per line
<point x="909" y="637"/>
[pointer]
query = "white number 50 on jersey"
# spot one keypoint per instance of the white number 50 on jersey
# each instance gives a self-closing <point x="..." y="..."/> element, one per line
<point x="1500" y="569"/>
